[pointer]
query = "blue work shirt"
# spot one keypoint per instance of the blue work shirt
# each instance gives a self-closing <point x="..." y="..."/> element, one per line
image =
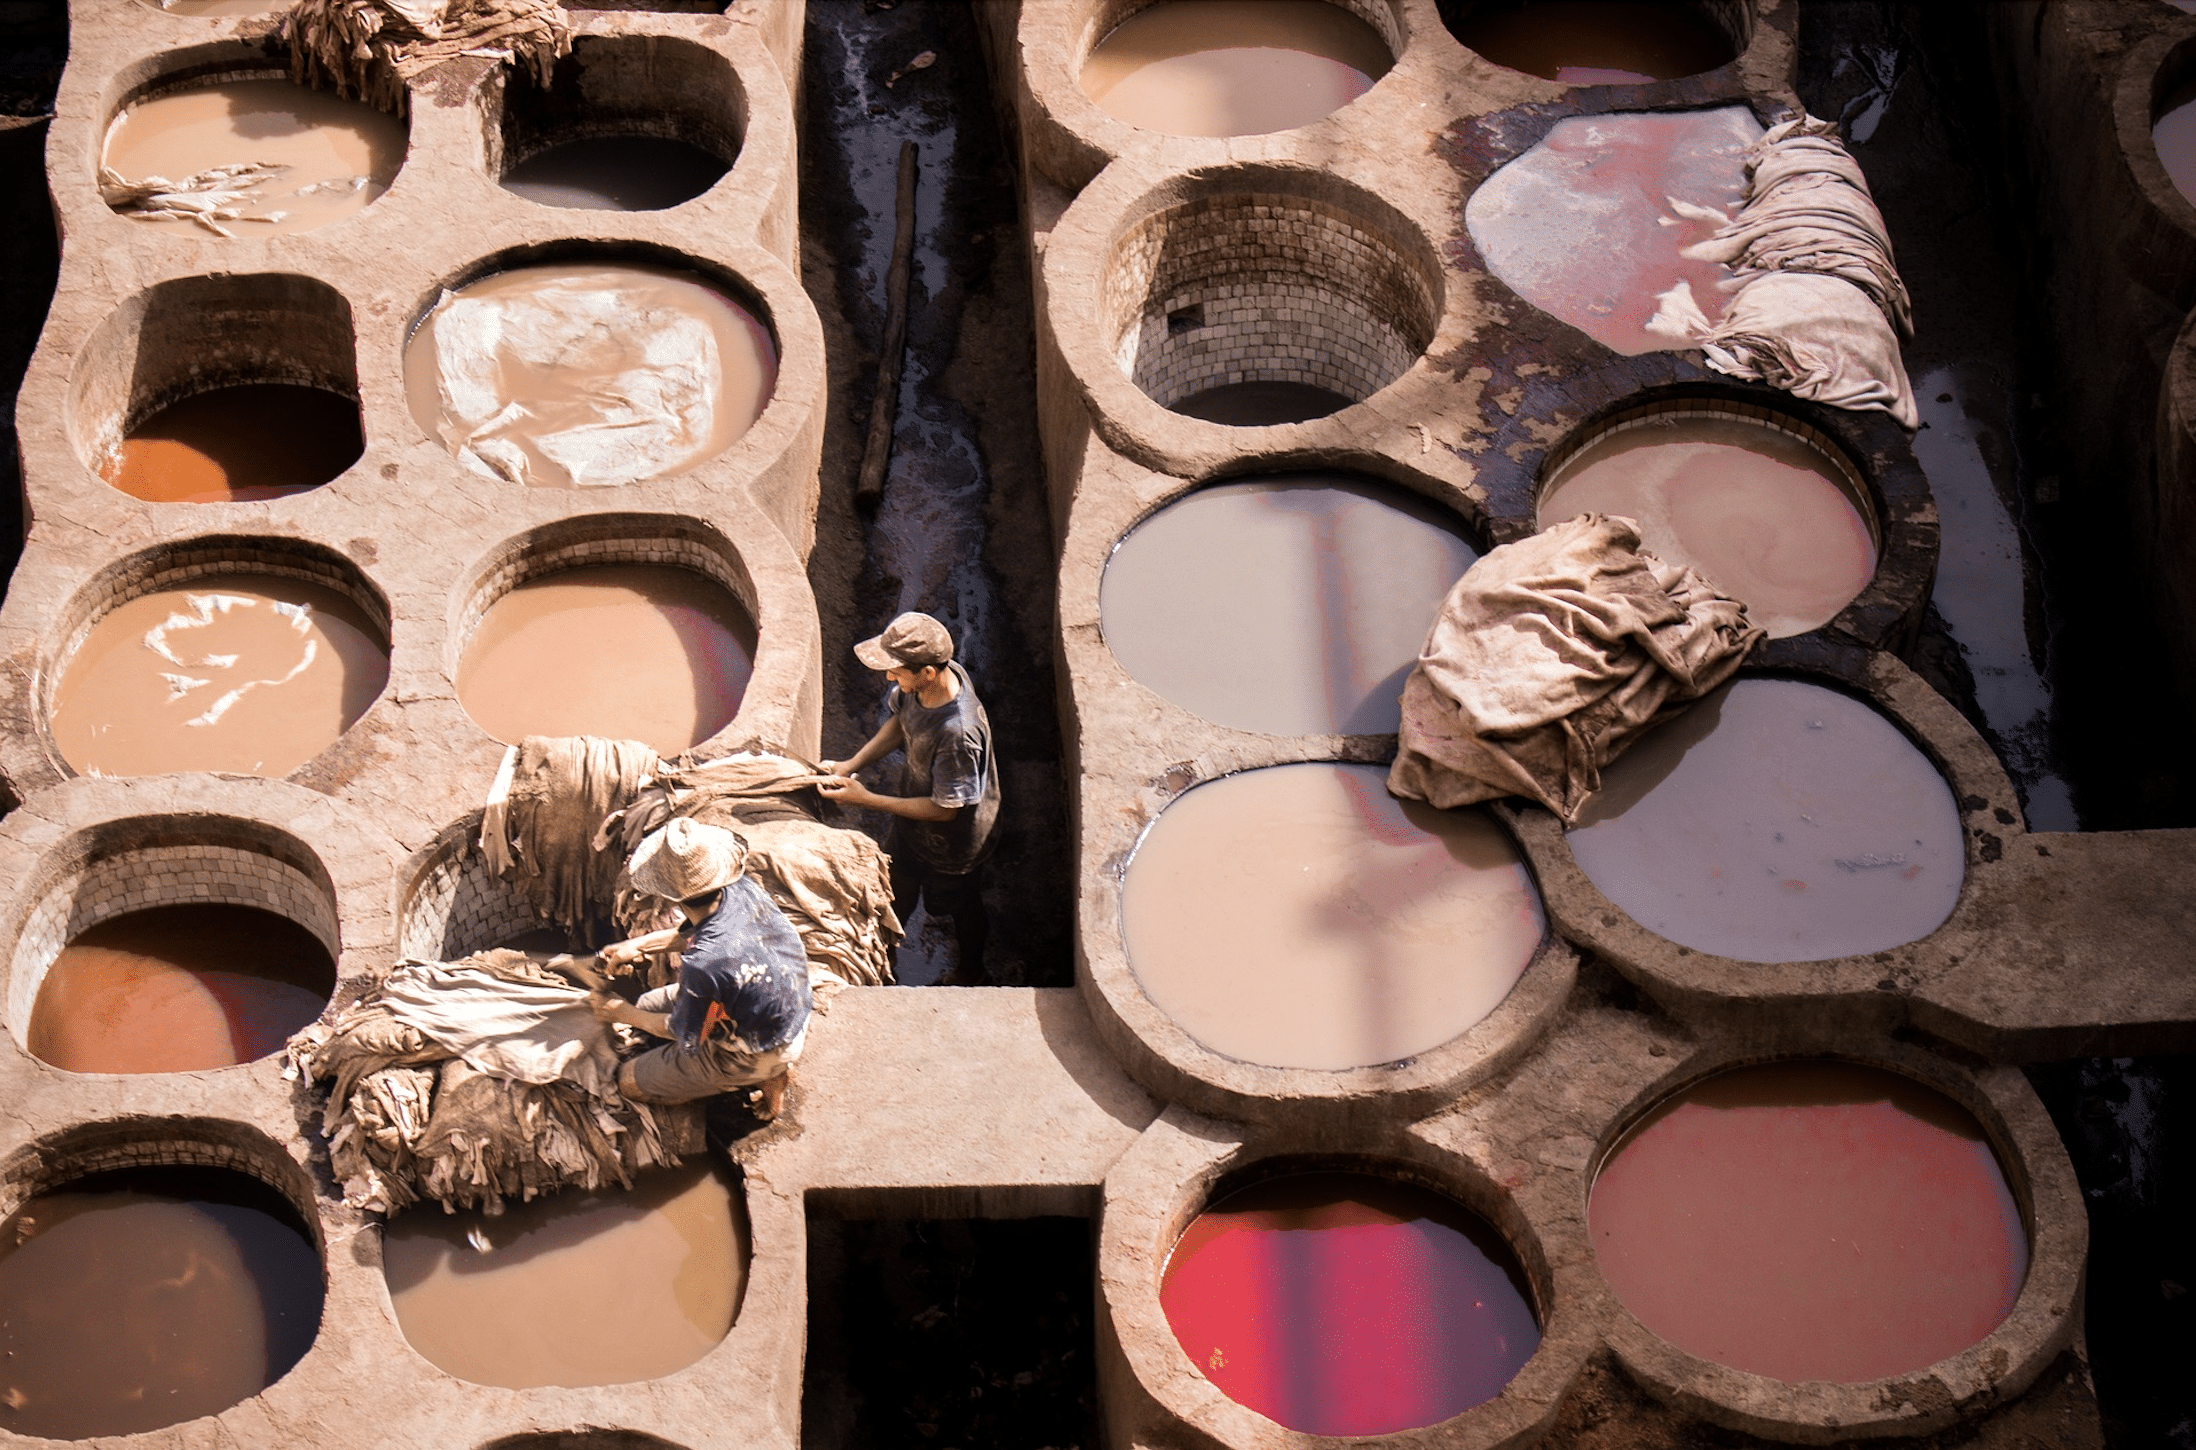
<point x="745" y="959"/>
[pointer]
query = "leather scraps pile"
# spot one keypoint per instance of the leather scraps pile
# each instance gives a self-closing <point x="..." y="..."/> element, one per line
<point x="372" y="49"/>
<point x="565" y="812"/>
<point x="1549" y="657"/>
<point x="476" y="1081"/>
<point x="1819" y="308"/>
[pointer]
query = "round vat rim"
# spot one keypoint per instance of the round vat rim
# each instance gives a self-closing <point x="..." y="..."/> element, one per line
<point x="140" y="572"/>
<point x="2160" y="246"/>
<point x="1176" y="1067"/>
<point x="1687" y="980"/>
<point x="1896" y="499"/>
<point x="1996" y="1368"/>
<point x="447" y="850"/>
<point x="770" y="304"/>
<point x="582" y="1437"/>
<point x="1084" y="248"/>
<point x="1168" y="1176"/>
<point x="754" y="580"/>
<point x="738" y="97"/>
<point x="1721" y="15"/>
<point x="64" y="860"/>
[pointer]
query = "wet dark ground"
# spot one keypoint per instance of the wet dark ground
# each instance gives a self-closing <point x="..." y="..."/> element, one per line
<point x="34" y="41"/>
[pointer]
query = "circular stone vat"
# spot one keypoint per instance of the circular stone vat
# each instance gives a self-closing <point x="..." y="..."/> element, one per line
<point x="251" y="441"/>
<point x="645" y="638"/>
<point x="1768" y="508"/>
<point x="1776" y="821"/>
<point x="1810" y="1221"/>
<point x="143" y="1297"/>
<point x="455" y="907"/>
<point x="179" y="988"/>
<point x="1291" y="605"/>
<point x="1219" y="68"/>
<point x="215" y="8"/>
<point x="1601" y="42"/>
<point x="1349" y="1304"/>
<point x="1255" y="308"/>
<point x="626" y="123"/>
<point x="212" y="663"/>
<point x="2173" y="133"/>
<point x="219" y="388"/>
<point x="247" y="156"/>
<point x="588" y="373"/>
<point x="576" y="1288"/>
<point x="1300" y="916"/>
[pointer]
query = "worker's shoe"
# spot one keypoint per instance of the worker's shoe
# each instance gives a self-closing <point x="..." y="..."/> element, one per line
<point x="770" y="1097"/>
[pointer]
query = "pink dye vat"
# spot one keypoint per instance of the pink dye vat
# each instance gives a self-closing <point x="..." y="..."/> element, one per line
<point x="1343" y="1304"/>
<point x="1582" y="226"/>
<point x="1811" y="1221"/>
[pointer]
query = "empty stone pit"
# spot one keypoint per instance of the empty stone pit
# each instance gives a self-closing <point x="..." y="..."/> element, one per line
<point x="220" y="389"/>
<point x="230" y="653"/>
<point x="172" y="945"/>
<point x="626" y="123"/>
<point x="1252" y="307"/>
<point x="454" y="906"/>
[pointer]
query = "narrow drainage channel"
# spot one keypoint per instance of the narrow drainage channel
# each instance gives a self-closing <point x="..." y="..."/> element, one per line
<point x="961" y="530"/>
<point x="34" y="42"/>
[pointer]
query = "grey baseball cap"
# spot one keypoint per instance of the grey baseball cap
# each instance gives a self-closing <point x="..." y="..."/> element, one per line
<point x="909" y="642"/>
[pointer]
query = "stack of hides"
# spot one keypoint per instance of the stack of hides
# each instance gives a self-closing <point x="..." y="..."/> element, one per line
<point x="475" y="1081"/>
<point x="1549" y="657"/>
<point x="1819" y="307"/>
<point x="372" y="49"/>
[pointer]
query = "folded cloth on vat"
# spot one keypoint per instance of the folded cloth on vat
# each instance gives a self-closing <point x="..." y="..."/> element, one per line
<point x="474" y="1081"/>
<point x="1549" y="657"/>
<point x="1819" y="305"/>
<point x="373" y="48"/>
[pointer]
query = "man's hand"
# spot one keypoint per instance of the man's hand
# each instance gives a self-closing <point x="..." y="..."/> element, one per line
<point x="845" y="788"/>
<point x="608" y="1008"/>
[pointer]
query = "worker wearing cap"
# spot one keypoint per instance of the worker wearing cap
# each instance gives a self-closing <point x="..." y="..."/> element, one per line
<point x="942" y="828"/>
<point x="738" y="1015"/>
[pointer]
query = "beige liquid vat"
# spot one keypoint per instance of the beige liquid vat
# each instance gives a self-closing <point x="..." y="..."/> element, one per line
<point x="247" y="673"/>
<point x="336" y="155"/>
<point x="1223" y="68"/>
<point x="576" y="1288"/>
<point x="1300" y="916"/>
<point x="217" y="8"/>
<point x="631" y="652"/>
<point x="1762" y="513"/>
<point x="570" y="377"/>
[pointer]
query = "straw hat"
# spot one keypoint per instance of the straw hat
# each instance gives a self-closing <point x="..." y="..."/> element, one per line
<point x="685" y="860"/>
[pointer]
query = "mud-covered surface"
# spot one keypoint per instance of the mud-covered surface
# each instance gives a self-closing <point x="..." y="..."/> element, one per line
<point x="2034" y="631"/>
<point x="955" y="1334"/>
<point x="961" y="530"/>
<point x="34" y="42"/>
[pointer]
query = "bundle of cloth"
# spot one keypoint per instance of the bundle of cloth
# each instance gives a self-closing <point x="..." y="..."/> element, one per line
<point x="477" y="1081"/>
<point x="1549" y="657"/>
<point x="565" y="812"/>
<point x="1818" y="307"/>
<point x="373" y="49"/>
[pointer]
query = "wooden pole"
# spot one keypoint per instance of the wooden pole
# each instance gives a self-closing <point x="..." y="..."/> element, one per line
<point x="884" y="405"/>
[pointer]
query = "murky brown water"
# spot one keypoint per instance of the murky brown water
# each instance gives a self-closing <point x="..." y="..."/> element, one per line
<point x="1811" y="1221"/>
<point x="576" y="1289"/>
<point x="1757" y="510"/>
<point x="133" y="1300"/>
<point x="566" y="376"/>
<point x="634" y="652"/>
<point x="217" y="7"/>
<point x="1221" y="68"/>
<point x="1300" y="916"/>
<point x="179" y="989"/>
<point x="340" y="154"/>
<point x="247" y="673"/>
<point x="616" y="173"/>
<point x="261" y="440"/>
<point x="1596" y="42"/>
<point x="1292" y="605"/>
<point x="1776" y="821"/>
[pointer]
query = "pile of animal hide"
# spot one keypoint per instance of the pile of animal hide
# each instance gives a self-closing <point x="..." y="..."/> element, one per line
<point x="565" y="812"/>
<point x="210" y="198"/>
<point x="373" y="49"/>
<point x="1819" y="308"/>
<point x="1549" y="657"/>
<point x="476" y="1081"/>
